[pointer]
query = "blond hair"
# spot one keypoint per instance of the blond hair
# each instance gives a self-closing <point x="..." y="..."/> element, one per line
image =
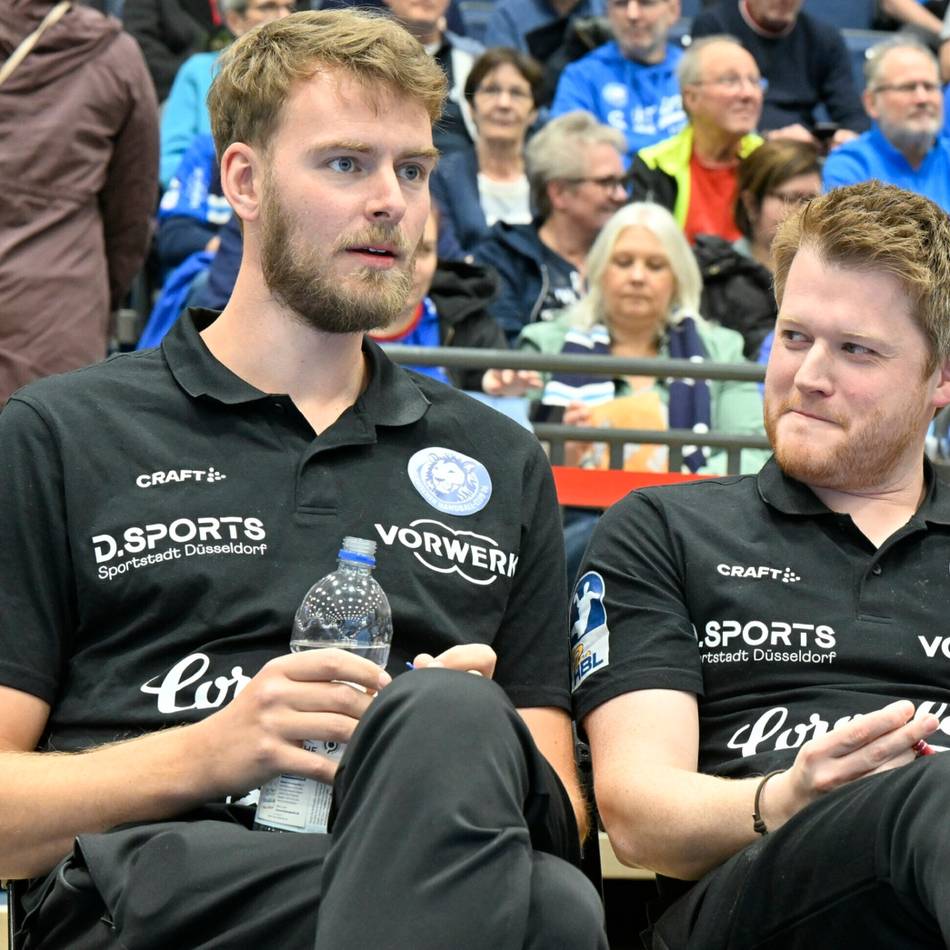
<point x="883" y="229"/>
<point x="258" y="70"/>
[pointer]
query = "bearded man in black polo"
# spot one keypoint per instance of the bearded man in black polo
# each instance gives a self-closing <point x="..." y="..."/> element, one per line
<point x="760" y="662"/>
<point x="165" y="512"/>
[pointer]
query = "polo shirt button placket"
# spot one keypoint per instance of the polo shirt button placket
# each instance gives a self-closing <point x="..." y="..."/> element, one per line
<point x="877" y="570"/>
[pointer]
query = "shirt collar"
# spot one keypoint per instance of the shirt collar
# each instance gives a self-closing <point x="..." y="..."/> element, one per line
<point x="793" y="497"/>
<point x="195" y="368"/>
<point x="391" y="397"/>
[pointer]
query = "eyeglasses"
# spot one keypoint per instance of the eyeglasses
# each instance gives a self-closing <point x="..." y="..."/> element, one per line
<point x="496" y="92"/>
<point x="608" y="183"/>
<point x="909" y="88"/>
<point x="733" y="82"/>
<point x="270" y="7"/>
<point x="795" y="198"/>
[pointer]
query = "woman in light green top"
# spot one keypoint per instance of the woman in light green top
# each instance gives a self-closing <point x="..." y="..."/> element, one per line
<point x="644" y="290"/>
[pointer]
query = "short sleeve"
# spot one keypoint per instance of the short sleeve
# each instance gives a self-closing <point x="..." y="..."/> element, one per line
<point x="531" y="645"/>
<point x="37" y="591"/>
<point x="629" y="625"/>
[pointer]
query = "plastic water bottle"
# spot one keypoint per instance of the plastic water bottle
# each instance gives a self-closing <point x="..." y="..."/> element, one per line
<point x="347" y="609"/>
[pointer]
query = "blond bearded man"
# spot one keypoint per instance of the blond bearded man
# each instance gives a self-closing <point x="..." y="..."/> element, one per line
<point x="164" y="514"/>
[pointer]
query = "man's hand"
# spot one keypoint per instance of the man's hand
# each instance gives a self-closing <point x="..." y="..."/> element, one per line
<point x="299" y="696"/>
<point x="510" y="382"/>
<point x="872" y="743"/>
<point x="796" y="132"/>
<point x="842" y="136"/>
<point x="475" y="658"/>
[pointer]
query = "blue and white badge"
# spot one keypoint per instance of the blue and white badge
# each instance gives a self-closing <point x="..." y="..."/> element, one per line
<point x="450" y="481"/>
<point x="590" y="636"/>
<point x="615" y="94"/>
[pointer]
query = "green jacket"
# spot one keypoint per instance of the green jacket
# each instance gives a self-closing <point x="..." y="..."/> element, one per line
<point x="736" y="406"/>
<point x="661" y="171"/>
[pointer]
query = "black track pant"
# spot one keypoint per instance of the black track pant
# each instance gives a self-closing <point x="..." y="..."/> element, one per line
<point x="451" y="831"/>
<point x="866" y="866"/>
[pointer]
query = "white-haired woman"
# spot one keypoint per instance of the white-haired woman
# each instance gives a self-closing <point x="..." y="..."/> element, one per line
<point x="643" y="301"/>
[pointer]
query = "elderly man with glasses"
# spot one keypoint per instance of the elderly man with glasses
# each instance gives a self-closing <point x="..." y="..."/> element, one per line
<point x="904" y="147"/>
<point x="577" y="181"/>
<point x="694" y="173"/>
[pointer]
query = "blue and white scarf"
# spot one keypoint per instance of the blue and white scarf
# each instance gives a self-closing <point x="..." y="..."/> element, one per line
<point x="690" y="405"/>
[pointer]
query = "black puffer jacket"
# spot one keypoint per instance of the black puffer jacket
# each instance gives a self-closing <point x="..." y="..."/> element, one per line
<point x="737" y="291"/>
<point x="461" y="293"/>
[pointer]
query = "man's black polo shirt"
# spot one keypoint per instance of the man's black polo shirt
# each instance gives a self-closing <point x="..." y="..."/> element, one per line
<point x="775" y="611"/>
<point x="162" y="520"/>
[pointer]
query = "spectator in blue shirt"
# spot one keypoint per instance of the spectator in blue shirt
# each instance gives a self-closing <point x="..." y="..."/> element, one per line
<point x="630" y="83"/>
<point x="904" y="98"/>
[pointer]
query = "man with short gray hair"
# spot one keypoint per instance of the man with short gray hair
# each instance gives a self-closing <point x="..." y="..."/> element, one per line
<point x="577" y="179"/>
<point x="693" y="174"/>
<point x="904" y="147"/>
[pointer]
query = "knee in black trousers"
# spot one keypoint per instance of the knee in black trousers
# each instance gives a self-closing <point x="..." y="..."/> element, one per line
<point x="443" y="800"/>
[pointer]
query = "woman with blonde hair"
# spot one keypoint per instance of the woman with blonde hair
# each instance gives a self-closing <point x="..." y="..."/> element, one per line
<point x="643" y="301"/>
<point x="643" y="297"/>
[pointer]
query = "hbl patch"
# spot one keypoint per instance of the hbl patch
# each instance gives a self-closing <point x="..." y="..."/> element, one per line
<point x="590" y="637"/>
<point x="450" y="481"/>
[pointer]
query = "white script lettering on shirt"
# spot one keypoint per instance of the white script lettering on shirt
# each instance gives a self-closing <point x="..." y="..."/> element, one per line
<point x="184" y="674"/>
<point x="755" y="737"/>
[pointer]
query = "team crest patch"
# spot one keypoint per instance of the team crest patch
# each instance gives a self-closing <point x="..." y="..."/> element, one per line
<point x="450" y="481"/>
<point x="590" y="637"/>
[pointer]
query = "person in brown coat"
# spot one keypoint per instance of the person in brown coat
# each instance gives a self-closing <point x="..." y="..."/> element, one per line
<point x="78" y="179"/>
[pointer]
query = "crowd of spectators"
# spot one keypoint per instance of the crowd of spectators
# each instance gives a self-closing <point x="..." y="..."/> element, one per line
<point x="711" y="129"/>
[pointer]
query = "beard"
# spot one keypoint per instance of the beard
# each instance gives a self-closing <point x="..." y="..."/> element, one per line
<point x="299" y="276"/>
<point x="919" y="140"/>
<point x="863" y="458"/>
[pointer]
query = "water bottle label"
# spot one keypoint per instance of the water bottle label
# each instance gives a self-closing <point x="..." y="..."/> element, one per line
<point x="292" y="803"/>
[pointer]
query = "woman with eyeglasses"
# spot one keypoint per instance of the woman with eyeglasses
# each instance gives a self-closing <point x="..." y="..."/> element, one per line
<point x="475" y="188"/>
<point x="737" y="276"/>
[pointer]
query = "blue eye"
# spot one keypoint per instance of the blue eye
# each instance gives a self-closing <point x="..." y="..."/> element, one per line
<point x="857" y="349"/>
<point x="413" y="172"/>
<point x="343" y="164"/>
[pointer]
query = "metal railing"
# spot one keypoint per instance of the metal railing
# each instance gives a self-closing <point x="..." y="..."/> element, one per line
<point x="556" y="434"/>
